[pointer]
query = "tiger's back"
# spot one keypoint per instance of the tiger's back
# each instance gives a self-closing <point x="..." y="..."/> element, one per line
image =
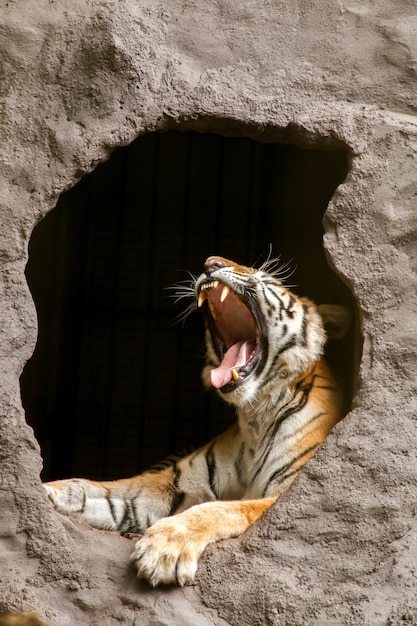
<point x="265" y="356"/>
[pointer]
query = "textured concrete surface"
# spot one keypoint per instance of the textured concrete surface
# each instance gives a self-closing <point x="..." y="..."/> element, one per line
<point x="79" y="78"/>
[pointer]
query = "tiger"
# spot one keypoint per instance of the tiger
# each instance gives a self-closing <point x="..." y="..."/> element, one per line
<point x="21" y="619"/>
<point x="265" y="356"/>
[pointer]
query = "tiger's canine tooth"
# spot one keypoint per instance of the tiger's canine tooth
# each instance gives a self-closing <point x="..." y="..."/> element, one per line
<point x="235" y="375"/>
<point x="202" y="297"/>
<point x="225" y="293"/>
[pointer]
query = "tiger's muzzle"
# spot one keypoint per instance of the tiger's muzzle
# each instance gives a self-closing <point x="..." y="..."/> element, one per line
<point x="234" y="320"/>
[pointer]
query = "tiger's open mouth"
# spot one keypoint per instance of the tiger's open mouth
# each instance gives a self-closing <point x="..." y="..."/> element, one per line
<point x="235" y="332"/>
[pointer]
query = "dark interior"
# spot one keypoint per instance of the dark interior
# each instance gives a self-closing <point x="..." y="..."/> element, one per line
<point x="114" y="384"/>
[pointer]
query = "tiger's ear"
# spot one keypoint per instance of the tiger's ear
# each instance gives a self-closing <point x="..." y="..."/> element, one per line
<point x="336" y="320"/>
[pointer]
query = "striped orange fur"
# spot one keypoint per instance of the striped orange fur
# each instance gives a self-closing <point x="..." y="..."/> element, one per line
<point x="265" y="356"/>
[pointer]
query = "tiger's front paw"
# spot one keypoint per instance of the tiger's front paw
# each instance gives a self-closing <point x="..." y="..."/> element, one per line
<point x="67" y="496"/>
<point x="168" y="552"/>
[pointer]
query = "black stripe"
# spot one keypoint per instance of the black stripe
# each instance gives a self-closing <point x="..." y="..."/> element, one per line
<point x="271" y="374"/>
<point x="211" y="468"/>
<point x="171" y="459"/>
<point x="272" y="431"/>
<point x="310" y="421"/>
<point x="304" y="326"/>
<point x="84" y="500"/>
<point x="178" y="495"/>
<point x="290" y="343"/>
<point x="272" y="306"/>
<point x="290" y="410"/>
<point x="283" y="479"/>
<point x="111" y="508"/>
<point x="278" y="399"/>
<point x="289" y="309"/>
<point x="158" y="467"/>
<point x="129" y="523"/>
<point x="177" y="500"/>
<point x="240" y="467"/>
<point x="306" y="383"/>
<point x="283" y="473"/>
<point x="294" y="340"/>
<point x="281" y="306"/>
<point x="134" y="515"/>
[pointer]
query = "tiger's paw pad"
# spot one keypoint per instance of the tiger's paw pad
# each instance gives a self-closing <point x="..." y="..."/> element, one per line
<point x="167" y="553"/>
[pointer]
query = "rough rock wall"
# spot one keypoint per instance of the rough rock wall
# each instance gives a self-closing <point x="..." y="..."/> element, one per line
<point x="79" y="78"/>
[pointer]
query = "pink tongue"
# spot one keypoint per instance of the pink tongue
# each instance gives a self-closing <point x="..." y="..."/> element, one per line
<point x="236" y="356"/>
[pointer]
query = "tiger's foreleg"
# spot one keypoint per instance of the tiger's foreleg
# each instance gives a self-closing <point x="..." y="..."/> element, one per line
<point x="170" y="550"/>
<point x="123" y="505"/>
<point x="134" y="504"/>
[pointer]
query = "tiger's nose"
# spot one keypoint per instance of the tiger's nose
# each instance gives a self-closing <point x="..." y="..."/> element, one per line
<point x="213" y="263"/>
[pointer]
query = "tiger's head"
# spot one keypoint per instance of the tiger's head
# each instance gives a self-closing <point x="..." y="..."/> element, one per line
<point x="259" y="335"/>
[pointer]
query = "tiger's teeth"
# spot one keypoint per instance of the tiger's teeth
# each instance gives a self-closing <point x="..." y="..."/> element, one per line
<point x="235" y="375"/>
<point x="215" y="284"/>
<point x="202" y="297"/>
<point x="225" y="293"/>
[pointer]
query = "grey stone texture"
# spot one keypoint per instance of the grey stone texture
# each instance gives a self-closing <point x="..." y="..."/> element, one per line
<point x="79" y="78"/>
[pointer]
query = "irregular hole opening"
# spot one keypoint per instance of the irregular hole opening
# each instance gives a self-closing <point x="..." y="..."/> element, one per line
<point x="113" y="385"/>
